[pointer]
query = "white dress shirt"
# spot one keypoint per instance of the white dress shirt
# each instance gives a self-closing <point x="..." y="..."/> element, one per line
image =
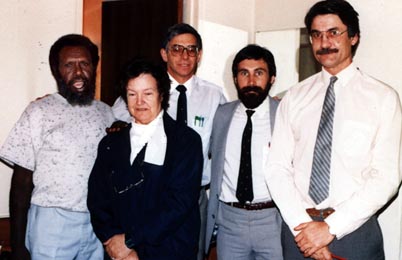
<point x="260" y="142"/>
<point x="365" y="149"/>
<point x="120" y="110"/>
<point x="203" y="98"/>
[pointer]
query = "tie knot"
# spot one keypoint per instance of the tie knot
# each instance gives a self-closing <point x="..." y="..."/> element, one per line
<point x="332" y="80"/>
<point x="249" y="112"/>
<point x="181" y="88"/>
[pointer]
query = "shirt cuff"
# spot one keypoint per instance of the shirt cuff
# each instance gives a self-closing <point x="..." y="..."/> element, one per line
<point x="337" y="225"/>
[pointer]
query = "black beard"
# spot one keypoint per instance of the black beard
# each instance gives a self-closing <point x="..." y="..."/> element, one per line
<point x="83" y="98"/>
<point x="252" y="96"/>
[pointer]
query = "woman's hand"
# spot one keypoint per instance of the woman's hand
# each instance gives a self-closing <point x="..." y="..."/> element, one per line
<point x="116" y="247"/>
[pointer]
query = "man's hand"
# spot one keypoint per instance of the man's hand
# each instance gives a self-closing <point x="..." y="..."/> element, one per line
<point x="313" y="236"/>
<point x="39" y="98"/>
<point x="116" y="247"/>
<point x="322" y="254"/>
<point x="132" y="256"/>
<point x="116" y="126"/>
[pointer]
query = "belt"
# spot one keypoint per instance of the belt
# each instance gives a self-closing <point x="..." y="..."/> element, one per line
<point x="252" y="206"/>
<point x="320" y="213"/>
<point x="205" y="187"/>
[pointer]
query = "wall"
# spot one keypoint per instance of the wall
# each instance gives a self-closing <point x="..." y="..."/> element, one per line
<point x="379" y="54"/>
<point x="28" y="28"/>
<point x="224" y="26"/>
<point x="284" y="45"/>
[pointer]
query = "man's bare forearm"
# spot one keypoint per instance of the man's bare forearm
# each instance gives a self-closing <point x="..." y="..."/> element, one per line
<point x="20" y="199"/>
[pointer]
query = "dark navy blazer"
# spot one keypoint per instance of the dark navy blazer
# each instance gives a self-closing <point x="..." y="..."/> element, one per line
<point x="156" y="207"/>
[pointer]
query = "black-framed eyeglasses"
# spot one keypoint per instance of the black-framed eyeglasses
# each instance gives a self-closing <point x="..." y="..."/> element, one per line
<point x="178" y="50"/>
<point x="330" y="34"/>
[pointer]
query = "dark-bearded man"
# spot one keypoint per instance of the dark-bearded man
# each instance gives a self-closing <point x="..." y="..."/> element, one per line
<point x="52" y="149"/>
<point x="240" y="210"/>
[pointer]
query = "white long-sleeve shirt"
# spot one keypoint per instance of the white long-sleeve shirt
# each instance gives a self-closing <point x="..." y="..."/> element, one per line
<point x="365" y="149"/>
<point x="260" y="141"/>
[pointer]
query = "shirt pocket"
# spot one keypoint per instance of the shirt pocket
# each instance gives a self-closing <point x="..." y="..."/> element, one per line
<point x="355" y="139"/>
<point x="199" y="122"/>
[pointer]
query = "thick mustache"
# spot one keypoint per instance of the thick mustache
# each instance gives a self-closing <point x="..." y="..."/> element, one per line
<point x="252" y="89"/>
<point x="79" y="78"/>
<point x="326" y="51"/>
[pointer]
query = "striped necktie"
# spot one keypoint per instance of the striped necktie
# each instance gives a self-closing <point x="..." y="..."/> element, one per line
<point x="320" y="173"/>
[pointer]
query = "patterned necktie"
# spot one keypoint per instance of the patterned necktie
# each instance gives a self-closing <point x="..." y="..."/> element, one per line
<point x="244" y="190"/>
<point x="181" y="116"/>
<point x="320" y="173"/>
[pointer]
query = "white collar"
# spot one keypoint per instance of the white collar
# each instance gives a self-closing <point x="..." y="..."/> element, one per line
<point x="344" y="76"/>
<point x="188" y="84"/>
<point x="152" y="134"/>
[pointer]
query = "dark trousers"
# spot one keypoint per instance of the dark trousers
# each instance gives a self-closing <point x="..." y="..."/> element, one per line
<point x="365" y="243"/>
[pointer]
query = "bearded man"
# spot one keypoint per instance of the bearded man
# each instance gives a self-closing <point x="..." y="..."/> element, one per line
<point x="52" y="149"/>
<point x="241" y="213"/>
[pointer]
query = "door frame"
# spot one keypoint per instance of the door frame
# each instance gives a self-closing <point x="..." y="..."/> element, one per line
<point x="92" y="28"/>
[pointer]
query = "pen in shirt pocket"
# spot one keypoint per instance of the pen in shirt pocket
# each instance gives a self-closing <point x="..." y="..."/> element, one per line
<point x="199" y="121"/>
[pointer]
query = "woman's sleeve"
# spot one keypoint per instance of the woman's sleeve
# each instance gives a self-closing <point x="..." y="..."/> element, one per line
<point x="101" y="198"/>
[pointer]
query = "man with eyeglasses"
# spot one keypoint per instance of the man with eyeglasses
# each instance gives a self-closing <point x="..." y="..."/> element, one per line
<point x="182" y="51"/>
<point x="334" y="159"/>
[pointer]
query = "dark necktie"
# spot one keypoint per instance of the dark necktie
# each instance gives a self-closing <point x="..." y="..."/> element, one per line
<point x="320" y="172"/>
<point x="244" y="191"/>
<point x="181" y="117"/>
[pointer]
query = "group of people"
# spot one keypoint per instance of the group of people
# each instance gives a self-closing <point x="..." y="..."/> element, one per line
<point x="302" y="178"/>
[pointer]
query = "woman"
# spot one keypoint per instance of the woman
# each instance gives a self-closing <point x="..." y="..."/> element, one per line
<point x="144" y="187"/>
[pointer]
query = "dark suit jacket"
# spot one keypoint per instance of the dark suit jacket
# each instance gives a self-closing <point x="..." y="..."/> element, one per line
<point x="156" y="207"/>
<point x="222" y="120"/>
